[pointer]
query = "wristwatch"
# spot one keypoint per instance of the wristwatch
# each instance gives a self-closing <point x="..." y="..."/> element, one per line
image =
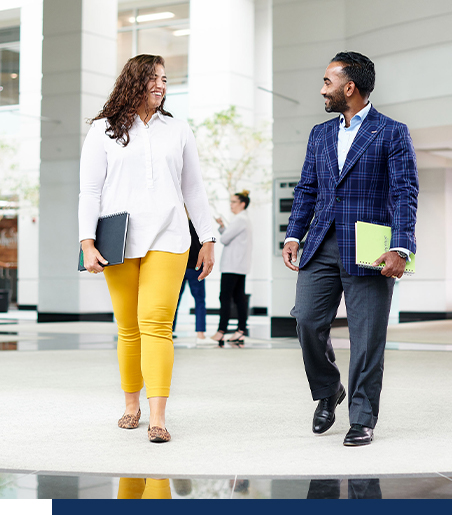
<point x="213" y="240"/>
<point x="403" y="255"/>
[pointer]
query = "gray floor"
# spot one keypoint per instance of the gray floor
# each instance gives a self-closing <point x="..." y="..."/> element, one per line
<point x="232" y="412"/>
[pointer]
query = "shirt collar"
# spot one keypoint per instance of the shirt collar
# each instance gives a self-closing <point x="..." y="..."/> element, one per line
<point x="161" y="116"/>
<point x="357" y="119"/>
<point x="157" y="114"/>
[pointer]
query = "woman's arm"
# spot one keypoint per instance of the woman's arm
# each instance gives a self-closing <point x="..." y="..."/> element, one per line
<point x="93" y="171"/>
<point x="232" y="230"/>
<point x="197" y="205"/>
<point x="193" y="190"/>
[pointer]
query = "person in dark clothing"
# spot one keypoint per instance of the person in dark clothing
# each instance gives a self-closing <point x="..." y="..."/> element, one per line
<point x="197" y="288"/>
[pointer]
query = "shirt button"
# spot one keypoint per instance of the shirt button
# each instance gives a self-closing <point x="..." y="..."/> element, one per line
<point x="338" y="199"/>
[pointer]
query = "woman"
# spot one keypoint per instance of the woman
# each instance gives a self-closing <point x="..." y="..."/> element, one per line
<point x="137" y="158"/>
<point x="234" y="265"/>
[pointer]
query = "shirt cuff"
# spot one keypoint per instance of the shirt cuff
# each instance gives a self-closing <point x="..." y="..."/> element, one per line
<point x="406" y="251"/>
<point x="291" y="239"/>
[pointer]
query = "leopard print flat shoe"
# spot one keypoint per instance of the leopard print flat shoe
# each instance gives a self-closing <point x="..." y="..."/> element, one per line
<point x="129" y="421"/>
<point x="157" y="434"/>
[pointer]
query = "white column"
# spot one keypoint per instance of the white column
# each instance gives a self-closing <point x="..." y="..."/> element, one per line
<point x="221" y="74"/>
<point x="79" y="69"/>
<point x="229" y="58"/>
<point x="29" y="147"/>
<point x="221" y="57"/>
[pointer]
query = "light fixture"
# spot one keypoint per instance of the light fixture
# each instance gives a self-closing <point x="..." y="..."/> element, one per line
<point x="181" y="32"/>
<point x="14" y="75"/>
<point x="152" y="17"/>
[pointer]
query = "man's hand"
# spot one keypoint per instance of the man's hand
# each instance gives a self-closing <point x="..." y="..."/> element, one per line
<point x="289" y="254"/>
<point x="394" y="264"/>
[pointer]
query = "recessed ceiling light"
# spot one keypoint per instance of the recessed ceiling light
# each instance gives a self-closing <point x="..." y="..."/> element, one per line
<point x="152" y="17"/>
<point x="181" y="32"/>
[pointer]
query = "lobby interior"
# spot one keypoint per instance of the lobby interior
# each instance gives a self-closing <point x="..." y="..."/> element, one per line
<point x="240" y="419"/>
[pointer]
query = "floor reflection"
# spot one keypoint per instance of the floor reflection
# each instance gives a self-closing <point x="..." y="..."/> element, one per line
<point x="144" y="488"/>
<point x="357" y="489"/>
<point x="39" y="486"/>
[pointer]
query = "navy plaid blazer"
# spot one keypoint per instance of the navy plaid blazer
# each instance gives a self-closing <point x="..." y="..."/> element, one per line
<point x="378" y="184"/>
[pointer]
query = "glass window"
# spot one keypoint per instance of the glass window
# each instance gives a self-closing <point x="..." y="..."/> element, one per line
<point x="9" y="66"/>
<point x="172" y="48"/>
<point x="125" y="19"/>
<point x="161" y="31"/>
<point x="157" y="15"/>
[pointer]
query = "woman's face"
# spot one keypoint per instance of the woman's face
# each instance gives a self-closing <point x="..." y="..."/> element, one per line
<point x="156" y="88"/>
<point x="236" y="205"/>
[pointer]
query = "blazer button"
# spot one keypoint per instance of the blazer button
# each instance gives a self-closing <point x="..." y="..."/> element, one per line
<point x="338" y="199"/>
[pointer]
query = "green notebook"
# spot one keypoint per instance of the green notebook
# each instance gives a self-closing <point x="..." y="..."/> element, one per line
<point x="373" y="240"/>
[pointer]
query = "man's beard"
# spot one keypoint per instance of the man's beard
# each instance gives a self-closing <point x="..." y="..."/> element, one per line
<point x="338" y="103"/>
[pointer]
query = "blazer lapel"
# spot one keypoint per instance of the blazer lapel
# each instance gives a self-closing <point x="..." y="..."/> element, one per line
<point x="331" y="135"/>
<point x="368" y="131"/>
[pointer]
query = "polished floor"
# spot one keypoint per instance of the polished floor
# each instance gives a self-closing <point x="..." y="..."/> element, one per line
<point x="41" y="486"/>
<point x="240" y="419"/>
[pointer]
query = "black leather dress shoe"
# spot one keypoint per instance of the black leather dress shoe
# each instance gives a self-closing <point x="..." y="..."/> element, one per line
<point x="359" y="435"/>
<point x="324" y="416"/>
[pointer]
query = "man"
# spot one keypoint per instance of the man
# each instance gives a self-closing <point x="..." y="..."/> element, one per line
<point x="358" y="166"/>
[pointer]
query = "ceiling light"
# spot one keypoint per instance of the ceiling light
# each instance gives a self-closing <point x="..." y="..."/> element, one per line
<point x="152" y="17"/>
<point x="14" y="75"/>
<point x="181" y="32"/>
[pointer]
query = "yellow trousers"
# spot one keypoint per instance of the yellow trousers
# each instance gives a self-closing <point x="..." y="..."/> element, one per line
<point x="144" y="293"/>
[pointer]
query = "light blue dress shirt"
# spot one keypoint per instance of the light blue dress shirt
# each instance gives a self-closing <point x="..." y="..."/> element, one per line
<point x="346" y="135"/>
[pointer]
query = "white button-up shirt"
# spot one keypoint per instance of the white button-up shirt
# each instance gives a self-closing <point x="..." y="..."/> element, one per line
<point x="151" y="178"/>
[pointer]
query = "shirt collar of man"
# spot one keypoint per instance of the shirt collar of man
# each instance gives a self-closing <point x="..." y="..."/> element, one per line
<point x="356" y="120"/>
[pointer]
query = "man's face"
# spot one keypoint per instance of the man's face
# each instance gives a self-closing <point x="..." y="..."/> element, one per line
<point x="334" y="83"/>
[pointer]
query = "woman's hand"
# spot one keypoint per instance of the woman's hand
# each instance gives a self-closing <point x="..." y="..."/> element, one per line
<point x="92" y="258"/>
<point x="206" y="258"/>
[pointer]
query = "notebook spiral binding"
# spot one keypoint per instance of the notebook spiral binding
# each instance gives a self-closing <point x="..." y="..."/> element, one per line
<point x="380" y="267"/>
<point x="113" y="214"/>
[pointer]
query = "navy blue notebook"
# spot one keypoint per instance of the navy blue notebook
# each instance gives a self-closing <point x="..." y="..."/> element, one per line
<point x="111" y="235"/>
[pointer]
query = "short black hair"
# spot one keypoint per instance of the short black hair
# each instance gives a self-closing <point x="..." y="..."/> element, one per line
<point x="359" y="69"/>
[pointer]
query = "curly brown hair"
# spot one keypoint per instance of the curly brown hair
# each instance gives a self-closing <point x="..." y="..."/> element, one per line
<point x="128" y="94"/>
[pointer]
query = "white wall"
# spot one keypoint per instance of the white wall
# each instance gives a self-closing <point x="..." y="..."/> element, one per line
<point x="306" y="35"/>
<point x="410" y="42"/>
